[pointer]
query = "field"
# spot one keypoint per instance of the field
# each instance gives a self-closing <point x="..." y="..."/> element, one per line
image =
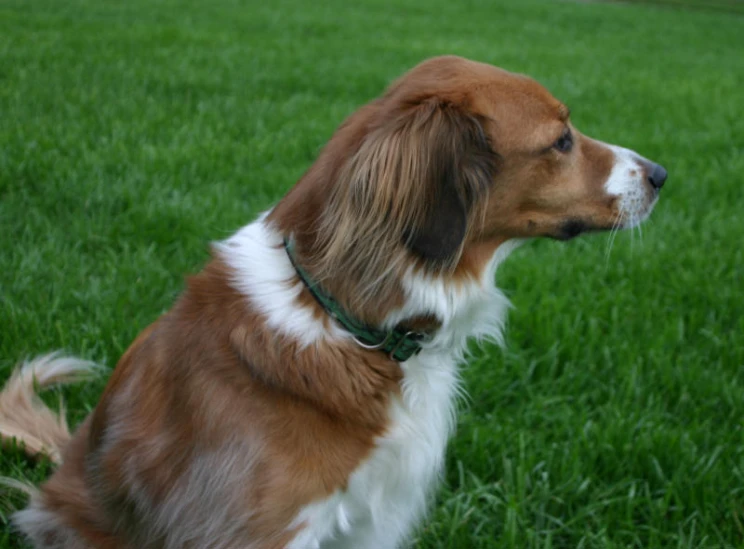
<point x="133" y="133"/>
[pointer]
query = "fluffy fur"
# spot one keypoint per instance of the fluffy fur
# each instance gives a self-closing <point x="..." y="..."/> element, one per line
<point x="246" y="416"/>
<point x="25" y="417"/>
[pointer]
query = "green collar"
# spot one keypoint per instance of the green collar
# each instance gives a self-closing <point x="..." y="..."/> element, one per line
<point x="399" y="344"/>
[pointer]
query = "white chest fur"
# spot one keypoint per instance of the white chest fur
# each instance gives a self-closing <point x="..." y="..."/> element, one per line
<point x="388" y="493"/>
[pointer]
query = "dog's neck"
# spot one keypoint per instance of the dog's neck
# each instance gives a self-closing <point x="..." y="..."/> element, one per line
<point x="467" y="306"/>
<point x="450" y="310"/>
<point x="399" y="342"/>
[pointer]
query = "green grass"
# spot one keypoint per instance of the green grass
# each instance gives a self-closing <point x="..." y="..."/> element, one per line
<point x="133" y="133"/>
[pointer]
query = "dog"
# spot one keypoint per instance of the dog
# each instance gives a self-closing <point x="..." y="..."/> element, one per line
<point x="300" y="392"/>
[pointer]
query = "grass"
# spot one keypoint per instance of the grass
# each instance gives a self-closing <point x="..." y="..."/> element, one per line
<point x="132" y="133"/>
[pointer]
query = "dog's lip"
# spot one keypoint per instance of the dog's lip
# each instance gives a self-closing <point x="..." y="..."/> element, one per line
<point x="571" y="228"/>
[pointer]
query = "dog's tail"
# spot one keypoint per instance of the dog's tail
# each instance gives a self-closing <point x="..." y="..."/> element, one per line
<point x="24" y="416"/>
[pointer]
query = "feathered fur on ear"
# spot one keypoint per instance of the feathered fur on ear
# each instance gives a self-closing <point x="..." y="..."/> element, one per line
<point x="411" y="185"/>
<point x="457" y="169"/>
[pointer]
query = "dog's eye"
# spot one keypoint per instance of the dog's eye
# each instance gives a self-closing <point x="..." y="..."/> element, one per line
<point x="564" y="142"/>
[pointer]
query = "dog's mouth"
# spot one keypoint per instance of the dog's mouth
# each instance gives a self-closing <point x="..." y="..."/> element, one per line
<point x="571" y="228"/>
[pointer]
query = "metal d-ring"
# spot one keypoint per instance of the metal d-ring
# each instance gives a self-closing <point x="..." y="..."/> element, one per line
<point x="376" y="346"/>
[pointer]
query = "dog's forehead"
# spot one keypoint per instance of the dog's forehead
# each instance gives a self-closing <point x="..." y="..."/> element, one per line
<point x="511" y="95"/>
<point x="485" y="90"/>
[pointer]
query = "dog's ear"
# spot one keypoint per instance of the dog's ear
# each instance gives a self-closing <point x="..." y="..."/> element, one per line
<point x="414" y="178"/>
<point x="457" y="166"/>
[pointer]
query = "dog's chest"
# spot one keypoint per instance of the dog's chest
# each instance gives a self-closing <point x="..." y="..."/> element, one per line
<point x="388" y="492"/>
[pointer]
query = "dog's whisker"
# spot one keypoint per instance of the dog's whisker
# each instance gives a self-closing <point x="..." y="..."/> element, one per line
<point x="640" y="234"/>
<point x="616" y="224"/>
<point x="632" y="232"/>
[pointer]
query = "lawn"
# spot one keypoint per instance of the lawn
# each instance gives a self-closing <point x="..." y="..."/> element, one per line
<point x="134" y="133"/>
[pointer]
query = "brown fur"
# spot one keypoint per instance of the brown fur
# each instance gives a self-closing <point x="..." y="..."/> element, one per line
<point x="182" y="387"/>
<point x="378" y="182"/>
<point x="453" y="160"/>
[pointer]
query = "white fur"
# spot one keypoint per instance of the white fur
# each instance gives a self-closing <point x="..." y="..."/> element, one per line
<point x="264" y="273"/>
<point x="44" y="528"/>
<point x="388" y="493"/>
<point x="627" y="181"/>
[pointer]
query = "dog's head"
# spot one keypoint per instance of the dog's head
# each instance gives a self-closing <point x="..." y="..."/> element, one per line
<point x="454" y="159"/>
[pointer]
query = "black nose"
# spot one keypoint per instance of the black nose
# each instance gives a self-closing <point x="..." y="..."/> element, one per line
<point x="657" y="175"/>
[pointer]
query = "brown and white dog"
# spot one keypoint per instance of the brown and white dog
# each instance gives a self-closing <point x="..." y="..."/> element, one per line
<point x="250" y="416"/>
